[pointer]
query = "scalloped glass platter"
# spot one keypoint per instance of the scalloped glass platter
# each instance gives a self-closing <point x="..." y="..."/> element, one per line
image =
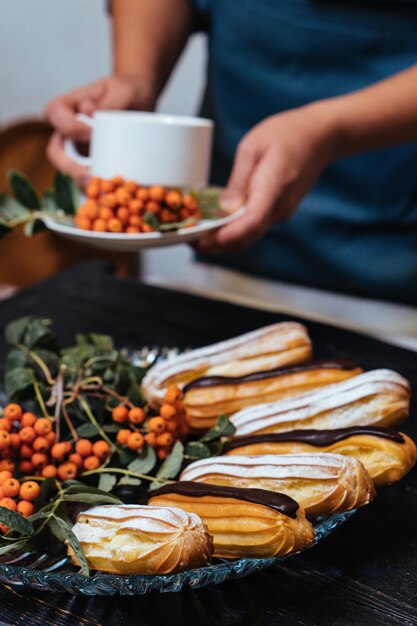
<point x="124" y="242"/>
<point x="55" y="572"/>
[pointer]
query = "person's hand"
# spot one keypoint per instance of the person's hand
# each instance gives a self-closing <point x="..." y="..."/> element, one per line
<point x="276" y="164"/>
<point x="113" y="92"/>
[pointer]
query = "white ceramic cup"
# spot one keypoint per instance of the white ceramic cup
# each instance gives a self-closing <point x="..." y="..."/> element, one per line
<point x="150" y="148"/>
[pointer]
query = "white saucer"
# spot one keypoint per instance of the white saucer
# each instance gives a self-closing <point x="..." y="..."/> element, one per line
<point x="124" y="242"/>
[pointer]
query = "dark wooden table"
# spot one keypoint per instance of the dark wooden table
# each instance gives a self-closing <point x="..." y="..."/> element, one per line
<point x="366" y="573"/>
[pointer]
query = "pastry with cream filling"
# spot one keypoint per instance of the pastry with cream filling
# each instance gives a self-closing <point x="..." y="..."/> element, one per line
<point x="243" y="522"/>
<point x="386" y="454"/>
<point x="377" y="398"/>
<point x="322" y="484"/>
<point x="134" y="539"/>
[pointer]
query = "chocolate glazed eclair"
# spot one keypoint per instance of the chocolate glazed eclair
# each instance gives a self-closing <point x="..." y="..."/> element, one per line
<point x="386" y="454"/>
<point x="243" y="522"/>
<point x="210" y="396"/>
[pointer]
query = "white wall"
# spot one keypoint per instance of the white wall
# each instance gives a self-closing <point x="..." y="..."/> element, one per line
<point x="50" y="46"/>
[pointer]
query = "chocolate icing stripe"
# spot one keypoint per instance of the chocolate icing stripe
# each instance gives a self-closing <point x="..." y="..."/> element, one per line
<point x="212" y="381"/>
<point x="318" y="438"/>
<point x="278" y="501"/>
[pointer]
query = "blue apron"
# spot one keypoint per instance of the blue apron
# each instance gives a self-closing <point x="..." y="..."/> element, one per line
<point x="356" y="231"/>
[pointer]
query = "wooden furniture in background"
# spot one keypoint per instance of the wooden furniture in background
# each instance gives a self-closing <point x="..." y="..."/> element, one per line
<point x="24" y="261"/>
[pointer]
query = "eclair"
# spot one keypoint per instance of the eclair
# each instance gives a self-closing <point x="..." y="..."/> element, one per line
<point x="263" y="349"/>
<point x="134" y="539"/>
<point x="322" y="484"/>
<point x="386" y="454"/>
<point x="377" y="398"/>
<point x="243" y="522"/>
<point x="210" y="396"/>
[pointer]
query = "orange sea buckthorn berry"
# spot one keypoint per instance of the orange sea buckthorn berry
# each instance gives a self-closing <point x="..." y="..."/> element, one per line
<point x="41" y="444"/>
<point x="49" y="471"/>
<point x="58" y="451"/>
<point x="132" y="230"/>
<point x="82" y="222"/>
<point x="172" y="394"/>
<point x="122" y="196"/>
<point x="11" y="487"/>
<point x="106" y="186"/>
<point x="28" y="419"/>
<point x="84" y="447"/>
<point x="123" y="435"/>
<point x="39" y="459"/>
<point x="189" y="201"/>
<point x="26" y="467"/>
<point x="120" y="414"/>
<point x="5" y="475"/>
<point x="150" y="438"/>
<point x="101" y="449"/>
<point x="157" y="424"/>
<point x="153" y="207"/>
<point x="4" y="529"/>
<point x="6" y="464"/>
<point x="68" y="446"/>
<point x="136" y="415"/>
<point x="135" y="220"/>
<point x="118" y="180"/>
<point x="77" y="459"/>
<point x="29" y="490"/>
<point x="25" y="508"/>
<point x="123" y="214"/>
<point x="4" y="439"/>
<point x="136" y="206"/>
<point x="173" y="199"/>
<point x="67" y="471"/>
<point x="146" y="228"/>
<point x="171" y="426"/>
<point x="167" y="216"/>
<point x="156" y="192"/>
<point x="15" y="441"/>
<point x="26" y="451"/>
<point x="184" y="214"/>
<point x="5" y="424"/>
<point x="42" y="426"/>
<point x="99" y="225"/>
<point x="167" y="411"/>
<point x="164" y="440"/>
<point x="162" y="454"/>
<point x="27" y="434"/>
<point x="109" y="201"/>
<point x="135" y="441"/>
<point x="93" y="190"/>
<point x="105" y="214"/>
<point x="142" y="194"/>
<point x="114" y="225"/>
<point x="91" y="209"/>
<point x="50" y="437"/>
<point x="13" y="411"/>
<point x="9" y="503"/>
<point x="1" y="493"/>
<point x="91" y="462"/>
<point x="131" y="187"/>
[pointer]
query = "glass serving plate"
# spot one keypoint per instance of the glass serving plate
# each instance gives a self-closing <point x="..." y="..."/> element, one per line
<point x="55" y="572"/>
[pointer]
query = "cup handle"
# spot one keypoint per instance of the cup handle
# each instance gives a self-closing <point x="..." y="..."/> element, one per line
<point x="70" y="147"/>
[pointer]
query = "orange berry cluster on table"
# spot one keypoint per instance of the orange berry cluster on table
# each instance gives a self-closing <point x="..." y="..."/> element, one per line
<point x="119" y="206"/>
<point x="159" y="431"/>
<point x="17" y="496"/>
<point x="28" y="446"/>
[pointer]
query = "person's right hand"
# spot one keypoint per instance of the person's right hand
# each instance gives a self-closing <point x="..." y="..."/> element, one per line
<point x="113" y="92"/>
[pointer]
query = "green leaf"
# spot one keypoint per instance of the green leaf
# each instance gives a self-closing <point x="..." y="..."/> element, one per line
<point x="11" y="209"/>
<point x="46" y="486"/>
<point x="223" y="428"/>
<point x="144" y="462"/>
<point x="74" y="543"/>
<point x="16" y="521"/>
<point x="66" y="195"/>
<point x="12" y="547"/>
<point x="101" y="342"/>
<point x="19" y="358"/>
<point x="107" y="482"/>
<point x="151" y="220"/>
<point x="197" y="450"/>
<point x="129" y="480"/>
<point x="30" y="331"/>
<point x="171" y="466"/>
<point x="87" y="430"/>
<point x="97" y="497"/>
<point x="33" y="227"/>
<point x="112" y="428"/>
<point x="23" y="190"/>
<point x="56" y="530"/>
<point x="18" y="380"/>
<point x="49" y="201"/>
<point x="135" y="395"/>
<point x="126" y="456"/>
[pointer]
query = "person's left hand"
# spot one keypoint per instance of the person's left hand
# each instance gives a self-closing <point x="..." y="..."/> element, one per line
<point x="276" y="164"/>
